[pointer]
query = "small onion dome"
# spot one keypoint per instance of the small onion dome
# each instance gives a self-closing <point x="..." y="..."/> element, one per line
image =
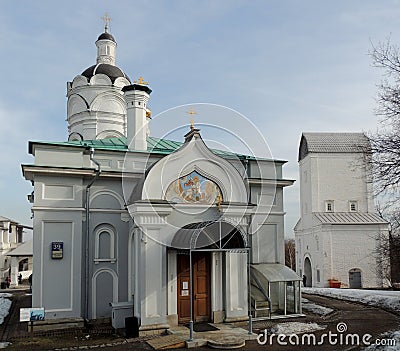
<point x="113" y="72"/>
<point x="106" y="36"/>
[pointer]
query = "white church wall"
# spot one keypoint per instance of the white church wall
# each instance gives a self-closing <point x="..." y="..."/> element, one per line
<point x="61" y="157"/>
<point x="58" y="192"/>
<point x="338" y="178"/>
<point x="354" y="248"/>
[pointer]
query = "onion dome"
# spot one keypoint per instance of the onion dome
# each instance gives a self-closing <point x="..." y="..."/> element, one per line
<point x="106" y="36"/>
<point x="113" y="72"/>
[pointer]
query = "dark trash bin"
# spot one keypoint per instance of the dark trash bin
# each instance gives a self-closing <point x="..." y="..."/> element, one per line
<point x="3" y="285"/>
<point x="131" y="327"/>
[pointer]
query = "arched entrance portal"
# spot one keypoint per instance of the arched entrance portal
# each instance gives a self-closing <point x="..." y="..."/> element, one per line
<point x="307" y="273"/>
<point x="195" y="243"/>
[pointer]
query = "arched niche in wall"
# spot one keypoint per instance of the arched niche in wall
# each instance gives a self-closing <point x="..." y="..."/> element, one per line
<point x="104" y="291"/>
<point x="100" y="79"/>
<point x="106" y="199"/>
<point x="109" y="102"/>
<point x="121" y="82"/>
<point x="79" y="81"/>
<point x="104" y="244"/>
<point x="76" y="104"/>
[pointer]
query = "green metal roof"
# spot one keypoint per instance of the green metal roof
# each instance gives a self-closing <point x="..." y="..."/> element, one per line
<point x="154" y="146"/>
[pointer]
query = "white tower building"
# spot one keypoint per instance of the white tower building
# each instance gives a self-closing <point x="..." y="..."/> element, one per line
<point x="96" y="107"/>
<point x="338" y="230"/>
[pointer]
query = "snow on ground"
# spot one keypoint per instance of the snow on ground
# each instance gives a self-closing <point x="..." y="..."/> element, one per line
<point x="296" y="328"/>
<point x="5" y="305"/>
<point x="378" y="298"/>
<point x="315" y="308"/>
<point x="4" y="344"/>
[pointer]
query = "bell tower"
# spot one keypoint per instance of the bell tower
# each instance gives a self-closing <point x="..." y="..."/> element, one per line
<point x="96" y="108"/>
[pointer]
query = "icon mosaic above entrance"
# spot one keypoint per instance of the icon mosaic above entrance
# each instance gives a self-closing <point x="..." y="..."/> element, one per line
<point x="194" y="188"/>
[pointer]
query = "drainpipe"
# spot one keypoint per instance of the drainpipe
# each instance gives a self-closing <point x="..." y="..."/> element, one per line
<point x="87" y="209"/>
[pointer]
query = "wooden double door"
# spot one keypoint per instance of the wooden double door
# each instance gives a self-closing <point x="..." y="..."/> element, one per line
<point x="201" y="287"/>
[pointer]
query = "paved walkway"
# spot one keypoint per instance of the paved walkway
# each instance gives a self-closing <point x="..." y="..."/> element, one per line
<point x="225" y="333"/>
<point x="12" y="327"/>
<point x="359" y="319"/>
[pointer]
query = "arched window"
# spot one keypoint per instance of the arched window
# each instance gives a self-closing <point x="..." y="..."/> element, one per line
<point x="104" y="250"/>
<point x="23" y="265"/>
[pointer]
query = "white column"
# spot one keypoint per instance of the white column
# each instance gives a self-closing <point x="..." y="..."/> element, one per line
<point x="236" y="287"/>
<point x="172" y="307"/>
<point x="14" y="272"/>
<point x="217" y="298"/>
<point x="136" y="97"/>
<point x="154" y="281"/>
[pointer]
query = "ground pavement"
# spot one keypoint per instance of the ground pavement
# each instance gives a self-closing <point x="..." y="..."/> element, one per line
<point x="358" y="318"/>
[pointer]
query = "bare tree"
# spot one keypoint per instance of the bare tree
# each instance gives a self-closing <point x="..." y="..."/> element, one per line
<point x="290" y="254"/>
<point x="385" y="144"/>
<point x="384" y="155"/>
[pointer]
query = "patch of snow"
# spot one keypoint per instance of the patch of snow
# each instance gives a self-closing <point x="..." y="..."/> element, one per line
<point x="4" y="344"/>
<point x="394" y="345"/>
<point x="5" y="305"/>
<point x="377" y="298"/>
<point x="317" y="309"/>
<point x="296" y="328"/>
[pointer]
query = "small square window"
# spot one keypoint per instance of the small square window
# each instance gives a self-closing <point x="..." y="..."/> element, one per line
<point x="329" y="206"/>
<point x="353" y="206"/>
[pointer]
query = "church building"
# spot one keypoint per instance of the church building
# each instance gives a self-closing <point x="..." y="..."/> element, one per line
<point x="339" y="231"/>
<point x="127" y="224"/>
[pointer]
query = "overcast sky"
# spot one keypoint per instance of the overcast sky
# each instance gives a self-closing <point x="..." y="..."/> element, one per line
<point x="287" y="66"/>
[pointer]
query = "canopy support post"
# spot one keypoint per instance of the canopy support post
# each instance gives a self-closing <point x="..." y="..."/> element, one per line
<point x="249" y="293"/>
<point x="191" y="296"/>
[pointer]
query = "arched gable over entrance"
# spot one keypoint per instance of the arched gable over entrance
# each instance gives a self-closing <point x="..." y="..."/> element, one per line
<point x="194" y="156"/>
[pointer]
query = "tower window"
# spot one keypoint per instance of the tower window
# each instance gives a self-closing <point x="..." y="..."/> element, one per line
<point x="353" y="206"/>
<point x="329" y="206"/>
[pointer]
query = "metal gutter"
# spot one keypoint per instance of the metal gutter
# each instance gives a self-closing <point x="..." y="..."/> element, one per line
<point x="87" y="208"/>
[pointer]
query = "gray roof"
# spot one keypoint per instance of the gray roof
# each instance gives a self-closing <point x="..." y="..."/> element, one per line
<point x="25" y="249"/>
<point x="332" y="143"/>
<point x="348" y="218"/>
<point x="5" y="219"/>
<point x="274" y="272"/>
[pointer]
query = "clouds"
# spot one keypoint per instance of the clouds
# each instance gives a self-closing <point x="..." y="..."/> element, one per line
<point x="288" y="66"/>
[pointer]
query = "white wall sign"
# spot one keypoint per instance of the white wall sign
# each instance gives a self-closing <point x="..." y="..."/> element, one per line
<point x="31" y="314"/>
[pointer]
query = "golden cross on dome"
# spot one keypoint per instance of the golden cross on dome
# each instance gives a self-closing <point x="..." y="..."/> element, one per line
<point x="107" y="20"/>
<point x="141" y="81"/>
<point x="191" y="112"/>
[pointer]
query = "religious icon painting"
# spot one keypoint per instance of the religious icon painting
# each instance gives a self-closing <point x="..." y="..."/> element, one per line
<point x="193" y="188"/>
